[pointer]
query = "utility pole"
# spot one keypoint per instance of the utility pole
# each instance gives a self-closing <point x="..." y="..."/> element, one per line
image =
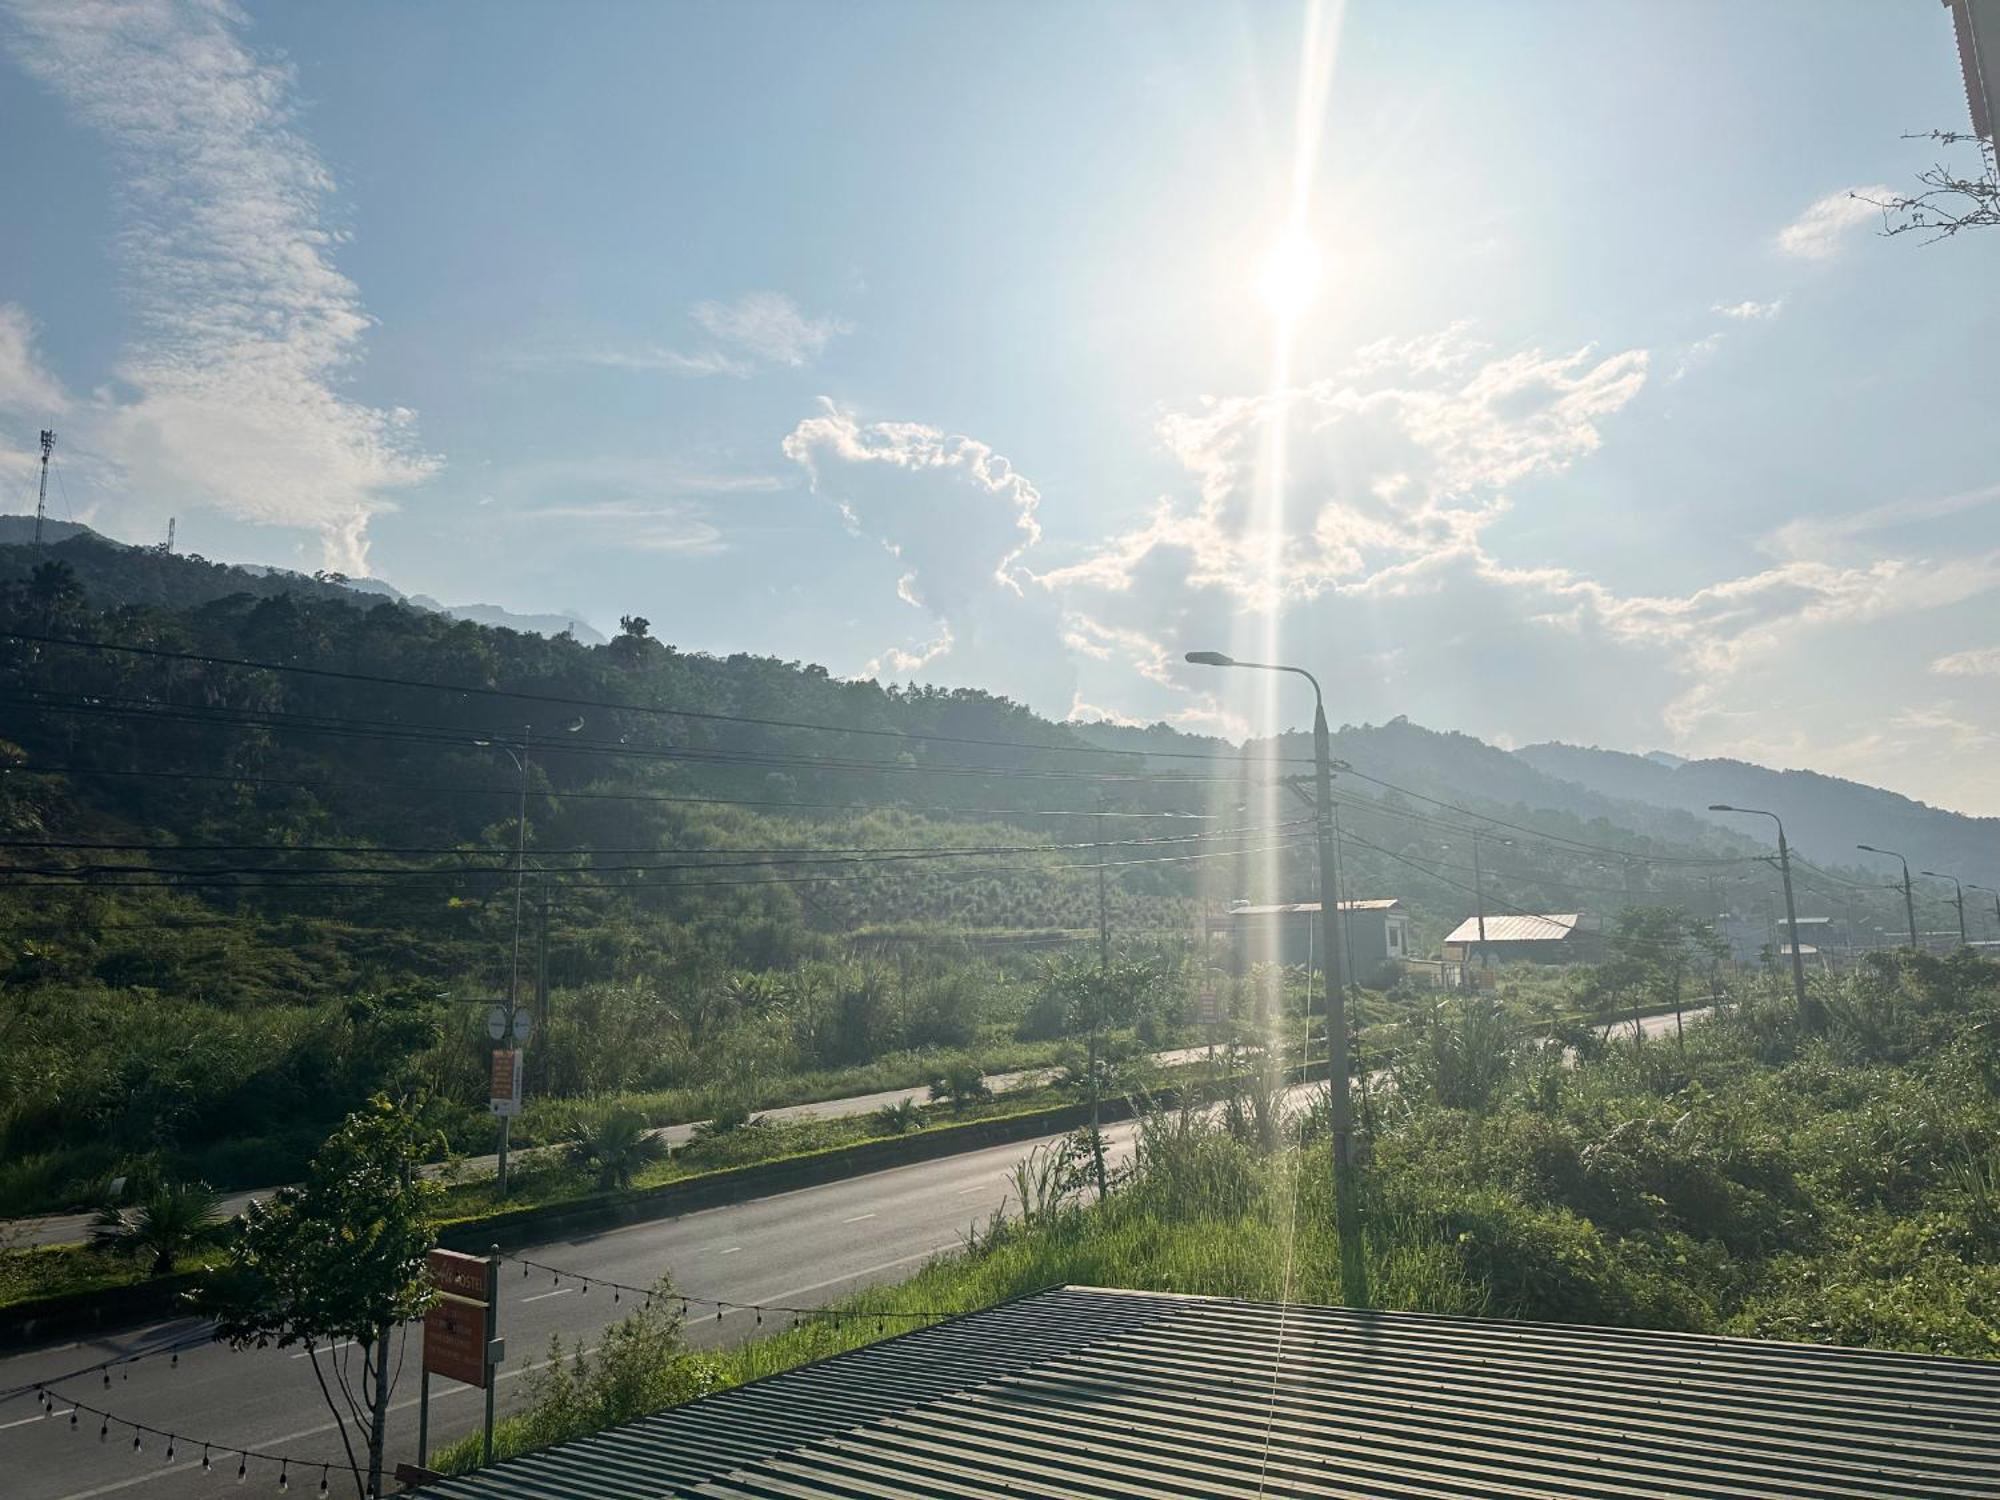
<point x="547" y="1054"/>
<point x="1996" y="903"/>
<point x="1353" y="1265"/>
<point x="1479" y="902"/>
<point x="1103" y="996"/>
<point x="1909" y="900"/>
<point x="1958" y="900"/>
<point x="170" y="536"/>
<point x="1807" y="1016"/>
<point x="42" y="495"/>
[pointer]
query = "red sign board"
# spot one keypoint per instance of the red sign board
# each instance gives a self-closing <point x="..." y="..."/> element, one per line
<point x="455" y="1329"/>
<point x="506" y="1094"/>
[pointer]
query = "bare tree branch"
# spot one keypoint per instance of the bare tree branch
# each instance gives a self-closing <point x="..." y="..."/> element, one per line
<point x="1949" y="202"/>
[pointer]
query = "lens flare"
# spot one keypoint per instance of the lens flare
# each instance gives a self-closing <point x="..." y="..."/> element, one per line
<point x="1288" y="281"/>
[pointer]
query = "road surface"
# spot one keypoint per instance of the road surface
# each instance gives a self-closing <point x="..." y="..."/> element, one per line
<point x="800" y="1248"/>
<point x="71" y="1229"/>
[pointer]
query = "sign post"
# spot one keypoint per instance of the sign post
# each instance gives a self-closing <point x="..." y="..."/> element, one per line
<point x="459" y="1334"/>
<point x="509" y="1073"/>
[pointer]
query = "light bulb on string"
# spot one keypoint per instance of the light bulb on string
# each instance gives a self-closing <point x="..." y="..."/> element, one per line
<point x="285" y="1474"/>
<point x="322" y="1482"/>
<point x="138" y="1441"/>
<point x="242" y="1467"/>
<point x="170" y="1447"/>
<point x="204" y="1458"/>
<point x="104" y="1432"/>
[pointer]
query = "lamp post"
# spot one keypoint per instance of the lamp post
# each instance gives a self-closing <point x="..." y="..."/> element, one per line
<point x="520" y="878"/>
<point x="1791" y="907"/>
<point x="1958" y="899"/>
<point x="1353" y="1270"/>
<point x="1996" y="902"/>
<point x="1909" y="900"/>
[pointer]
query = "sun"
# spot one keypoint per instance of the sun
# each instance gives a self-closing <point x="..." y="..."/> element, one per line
<point x="1289" y="278"/>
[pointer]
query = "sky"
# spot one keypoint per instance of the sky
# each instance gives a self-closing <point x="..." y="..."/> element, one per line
<point x="1528" y="369"/>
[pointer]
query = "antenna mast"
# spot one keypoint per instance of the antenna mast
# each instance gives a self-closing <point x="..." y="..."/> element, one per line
<point x="170" y="534"/>
<point x="42" y="496"/>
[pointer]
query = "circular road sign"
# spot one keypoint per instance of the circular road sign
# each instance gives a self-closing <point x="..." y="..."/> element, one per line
<point x="496" y="1022"/>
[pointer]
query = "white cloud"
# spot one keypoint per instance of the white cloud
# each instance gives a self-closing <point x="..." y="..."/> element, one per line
<point x="246" y="328"/>
<point x="25" y="385"/>
<point x="651" y="526"/>
<point x="1378" y="474"/>
<point x="1819" y="232"/>
<point x="758" y="331"/>
<point x="769" y="326"/>
<point x="1696" y="355"/>
<point x="1981" y="661"/>
<point x="956" y="517"/>
<point x="1750" y="312"/>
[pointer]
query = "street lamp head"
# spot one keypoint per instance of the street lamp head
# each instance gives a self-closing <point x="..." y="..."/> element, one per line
<point x="573" y="726"/>
<point x="1210" y="659"/>
<point x="1720" y="807"/>
<point x="1935" y="875"/>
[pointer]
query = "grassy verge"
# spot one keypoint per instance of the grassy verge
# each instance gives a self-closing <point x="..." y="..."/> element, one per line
<point x="40" y="1272"/>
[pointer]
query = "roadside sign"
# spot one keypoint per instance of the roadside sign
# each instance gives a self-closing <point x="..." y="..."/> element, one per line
<point x="496" y="1023"/>
<point x="524" y="1026"/>
<point x="456" y="1326"/>
<point x="505" y="1097"/>
<point x="1211" y="1006"/>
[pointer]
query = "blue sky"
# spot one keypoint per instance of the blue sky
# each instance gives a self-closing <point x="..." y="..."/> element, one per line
<point x="925" y="341"/>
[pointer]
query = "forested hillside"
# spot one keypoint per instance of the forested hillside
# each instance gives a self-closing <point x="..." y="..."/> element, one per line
<point x="260" y="852"/>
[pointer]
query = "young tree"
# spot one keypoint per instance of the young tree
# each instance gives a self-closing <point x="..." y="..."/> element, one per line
<point x="339" y="1261"/>
<point x="1652" y="951"/>
<point x="165" y="1223"/>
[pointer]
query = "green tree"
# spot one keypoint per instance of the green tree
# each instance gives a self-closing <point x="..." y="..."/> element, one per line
<point x="166" y="1223"/>
<point x="616" y="1144"/>
<point x="1651" y="952"/>
<point x="339" y="1261"/>
<point x="961" y="1084"/>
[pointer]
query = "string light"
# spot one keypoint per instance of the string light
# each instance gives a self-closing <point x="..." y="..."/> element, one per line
<point x="724" y="1305"/>
<point x="50" y="1398"/>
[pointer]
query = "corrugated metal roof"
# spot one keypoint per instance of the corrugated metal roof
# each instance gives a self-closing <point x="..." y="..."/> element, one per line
<point x="1081" y="1392"/>
<point x="1303" y="908"/>
<point x="1517" y="929"/>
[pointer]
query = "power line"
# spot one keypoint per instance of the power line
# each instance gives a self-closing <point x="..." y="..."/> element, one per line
<point x="573" y="702"/>
<point x="926" y="850"/>
<point x="89" y="876"/>
<point x="436" y="788"/>
<point x="466" y="738"/>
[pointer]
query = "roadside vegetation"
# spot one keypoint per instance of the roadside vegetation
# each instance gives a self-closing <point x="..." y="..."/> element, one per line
<point x="1745" y="1176"/>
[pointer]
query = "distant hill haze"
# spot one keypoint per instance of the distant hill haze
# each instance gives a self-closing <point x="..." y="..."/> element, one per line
<point x="1825" y="816"/>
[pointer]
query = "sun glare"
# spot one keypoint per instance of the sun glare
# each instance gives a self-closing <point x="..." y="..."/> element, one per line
<point x="1289" y="279"/>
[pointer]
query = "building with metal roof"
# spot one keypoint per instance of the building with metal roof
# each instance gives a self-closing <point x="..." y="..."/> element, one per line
<point x="1374" y="935"/>
<point x="1118" y="1395"/>
<point x="1559" y="938"/>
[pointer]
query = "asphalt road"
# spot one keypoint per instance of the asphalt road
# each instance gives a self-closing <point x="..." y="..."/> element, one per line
<point x="70" y="1229"/>
<point x="800" y="1248"/>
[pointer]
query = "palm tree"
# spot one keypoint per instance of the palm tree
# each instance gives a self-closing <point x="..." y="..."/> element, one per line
<point x="167" y="1222"/>
<point x="616" y="1144"/>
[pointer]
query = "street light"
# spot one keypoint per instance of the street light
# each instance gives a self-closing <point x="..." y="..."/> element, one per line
<point x="1909" y="901"/>
<point x="1996" y="902"/>
<point x="520" y="877"/>
<point x="1353" y="1271"/>
<point x="1958" y="900"/>
<point x="1791" y="908"/>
